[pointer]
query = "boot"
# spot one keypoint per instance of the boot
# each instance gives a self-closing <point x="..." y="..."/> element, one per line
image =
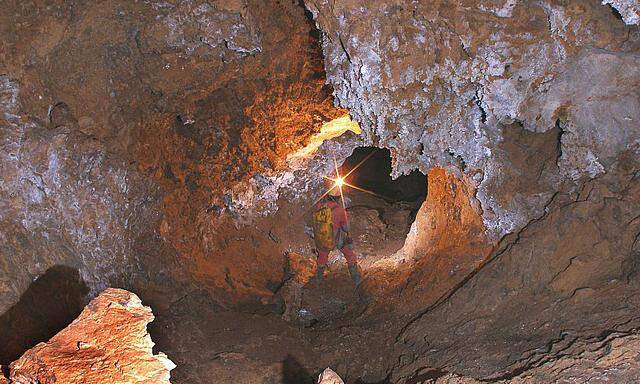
<point x="355" y="274"/>
<point x="320" y="272"/>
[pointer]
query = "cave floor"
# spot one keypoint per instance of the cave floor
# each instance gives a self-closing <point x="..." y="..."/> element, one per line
<point x="333" y="323"/>
<point x="256" y="345"/>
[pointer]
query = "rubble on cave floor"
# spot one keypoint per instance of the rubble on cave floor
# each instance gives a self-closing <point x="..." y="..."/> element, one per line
<point x="328" y="376"/>
<point x="108" y="343"/>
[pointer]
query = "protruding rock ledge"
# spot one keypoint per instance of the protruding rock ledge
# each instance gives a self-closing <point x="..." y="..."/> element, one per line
<point x="107" y="343"/>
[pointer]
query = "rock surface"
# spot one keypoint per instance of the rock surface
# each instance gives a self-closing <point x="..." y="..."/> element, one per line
<point x="184" y="140"/>
<point x="125" y="126"/>
<point x="329" y="377"/>
<point x="544" y="291"/>
<point x="611" y="360"/>
<point x="107" y="343"/>
<point x="628" y="9"/>
<point x="442" y="85"/>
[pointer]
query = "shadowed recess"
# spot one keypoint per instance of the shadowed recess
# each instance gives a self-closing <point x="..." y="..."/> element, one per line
<point x="50" y="303"/>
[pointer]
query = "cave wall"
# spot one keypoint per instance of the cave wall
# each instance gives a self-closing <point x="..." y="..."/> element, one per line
<point x="446" y="243"/>
<point x="438" y="83"/>
<point x="126" y="126"/>
<point x="148" y="145"/>
<point x="66" y="201"/>
<point x="534" y="107"/>
<point x="562" y="285"/>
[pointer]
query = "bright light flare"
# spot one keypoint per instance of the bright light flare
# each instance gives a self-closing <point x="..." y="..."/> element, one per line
<point x="340" y="181"/>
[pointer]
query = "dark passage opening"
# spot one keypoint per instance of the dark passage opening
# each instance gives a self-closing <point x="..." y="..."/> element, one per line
<point x="381" y="217"/>
<point x="373" y="173"/>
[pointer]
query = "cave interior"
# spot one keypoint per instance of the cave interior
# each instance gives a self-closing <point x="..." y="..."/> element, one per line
<point x="160" y="164"/>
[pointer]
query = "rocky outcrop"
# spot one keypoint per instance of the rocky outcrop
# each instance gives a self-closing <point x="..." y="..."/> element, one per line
<point x="629" y="10"/>
<point x="443" y="84"/>
<point x="613" y="359"/>
<point x="138" y="140"/>
<point x="527" y="105"/>
<point x="328" y="376"/>
<point x="65" y="200"/>
<point x="447" y="242"/>
<point x="107" y="343"/>
<point x="125" y="126"/>
<point x="544" y="292"/>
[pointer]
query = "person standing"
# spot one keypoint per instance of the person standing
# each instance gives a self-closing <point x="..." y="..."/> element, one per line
<point x="331" y="231"/>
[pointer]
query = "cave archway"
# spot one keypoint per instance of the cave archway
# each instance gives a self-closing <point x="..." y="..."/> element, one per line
<point x="373" y="173"/>
<point x="381" y="209"/>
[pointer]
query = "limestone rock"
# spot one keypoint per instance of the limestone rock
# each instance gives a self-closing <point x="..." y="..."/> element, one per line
<point x="328" y="376"/>
<point x="107" y="343"/>
<point x="447" y="239"/>
<point x="611" y="360"/>
<point x="133" y="152"/>
<point x="544" y="294"/>
<point x="628" y="9"/>
<point x="443" y="83"/>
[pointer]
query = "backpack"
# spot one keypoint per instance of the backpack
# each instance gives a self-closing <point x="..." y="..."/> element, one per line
<point x="323" y="228"/>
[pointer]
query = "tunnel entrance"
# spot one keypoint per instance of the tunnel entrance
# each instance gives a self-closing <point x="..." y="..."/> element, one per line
<point x="373" y="173"/>
<point x="381" y="210"/>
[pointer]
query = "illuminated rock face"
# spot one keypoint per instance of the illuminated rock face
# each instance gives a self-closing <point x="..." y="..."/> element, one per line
<point x="565" y="280"/>
<point x="447" y="240"/>
<point x="527" y="105"/>
<point x="329" y="377"/>
<point x="136" y="151"/>
<point x="448" y="221"/>
<point x="107" y="343"/>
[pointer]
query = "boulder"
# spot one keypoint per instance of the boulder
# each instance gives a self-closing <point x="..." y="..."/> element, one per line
<point x="328" y="376"/>
<point x="107" y="343"/>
